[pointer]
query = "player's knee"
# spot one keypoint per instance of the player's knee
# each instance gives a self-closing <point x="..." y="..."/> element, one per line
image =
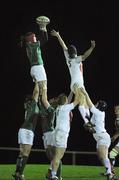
<point x="101" y="157"/>
<point x="26" y="154"/>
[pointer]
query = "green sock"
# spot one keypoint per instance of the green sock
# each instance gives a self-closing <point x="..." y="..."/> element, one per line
<point x="24" y="161"/>
<point x="18" y="163"/>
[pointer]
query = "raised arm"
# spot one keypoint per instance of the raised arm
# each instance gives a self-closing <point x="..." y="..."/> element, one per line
<point x="43" y="34"/>
<point x="62" y="43"/>
<point x="43" y="37"/>
<point x="42" y="22"/>
<point x="89" y="51"/>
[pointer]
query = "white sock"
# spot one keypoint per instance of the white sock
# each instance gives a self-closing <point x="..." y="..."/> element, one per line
<point x="84" y="112"/>
<point x="107" y="165"/>
<point x="53" y="173"/>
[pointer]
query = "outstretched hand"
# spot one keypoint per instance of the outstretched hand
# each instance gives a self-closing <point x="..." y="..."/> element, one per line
<point x="93" y="44"/>
<point x="54" y="33"/>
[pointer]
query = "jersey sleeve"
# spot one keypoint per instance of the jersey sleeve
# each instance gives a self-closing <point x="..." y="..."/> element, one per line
<point x="69" y="106"/>
<point x="94" y="110"/>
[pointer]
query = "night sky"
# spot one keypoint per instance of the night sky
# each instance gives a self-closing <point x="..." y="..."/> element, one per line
<point x="78" y="23"/>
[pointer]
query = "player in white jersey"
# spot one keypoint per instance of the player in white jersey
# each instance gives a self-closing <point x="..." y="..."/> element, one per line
<point x="48" y="128"/>
<point x="74" y="63"/>
<point x="101" y="136"/>
<point x="62" y="130"/>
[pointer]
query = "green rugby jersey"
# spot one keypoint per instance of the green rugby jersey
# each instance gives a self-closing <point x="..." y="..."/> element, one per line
<point x="34" y="53"/>
<point x="31" y="116"/>
<point x="47" y="117"/>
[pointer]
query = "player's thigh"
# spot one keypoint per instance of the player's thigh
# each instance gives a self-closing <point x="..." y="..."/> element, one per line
<point x="25" y="149"/>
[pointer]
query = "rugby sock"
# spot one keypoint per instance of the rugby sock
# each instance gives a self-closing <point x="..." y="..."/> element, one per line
<point x="53" y="173"/>
<point x="112" y="162"/>
<point x="24" y="161"/>
<point x="59" y="171"/>
<point x="18" y="163"/>
<point x="107" y="165"/>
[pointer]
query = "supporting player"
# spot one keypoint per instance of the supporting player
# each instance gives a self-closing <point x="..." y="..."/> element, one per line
<point x="62" y="130"/>
<point x="26" y="132"/>
<point x="101" y="136"/>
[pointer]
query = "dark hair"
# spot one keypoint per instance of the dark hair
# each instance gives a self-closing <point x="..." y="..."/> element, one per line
<point x="28" y="34"/>
<point x="101" y="105"/>
<point x="72" y="51"/>
<point x="25" y="38"/>
<point x="62" y="99"/>
<point x="28" y="98"/>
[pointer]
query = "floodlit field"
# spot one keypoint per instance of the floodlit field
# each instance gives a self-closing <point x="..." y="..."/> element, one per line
<point x="69" y="172"/>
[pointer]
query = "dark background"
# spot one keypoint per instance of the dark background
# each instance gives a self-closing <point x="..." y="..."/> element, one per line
<point x="78" y="23"/>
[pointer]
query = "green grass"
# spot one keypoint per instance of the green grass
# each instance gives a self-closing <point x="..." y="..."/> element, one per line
<point x="69" y="172"/>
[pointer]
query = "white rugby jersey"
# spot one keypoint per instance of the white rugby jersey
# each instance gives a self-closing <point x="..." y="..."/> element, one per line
<point x="75" y="68"/>
<point x="63" y="117"/>
<point x="98" y="119"/>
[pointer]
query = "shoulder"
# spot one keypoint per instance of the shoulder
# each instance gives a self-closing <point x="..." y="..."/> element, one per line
<point x="93" y="109"/>
<point x="68" y="106"/>
<point x="78" y="59"/>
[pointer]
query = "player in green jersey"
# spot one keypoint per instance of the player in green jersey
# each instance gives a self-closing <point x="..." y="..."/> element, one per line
<point x="26" y="132"/>
<point x="33" y="44"/>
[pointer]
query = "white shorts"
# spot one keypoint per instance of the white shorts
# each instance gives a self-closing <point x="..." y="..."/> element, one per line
<point x="25" y="136"/>
<point x="48" y="139"/>
<point x="61" y="138"/>
<point x="102" y="138"/>
<point x="38" y="71"/>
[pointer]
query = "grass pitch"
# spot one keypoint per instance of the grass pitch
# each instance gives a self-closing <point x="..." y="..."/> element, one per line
<point x="69" y="172"/>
